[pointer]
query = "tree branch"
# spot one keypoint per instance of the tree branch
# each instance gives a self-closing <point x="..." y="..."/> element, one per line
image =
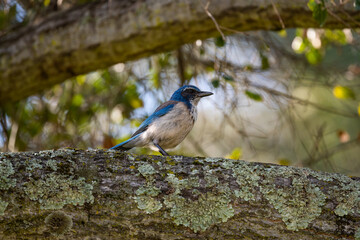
<point x="99" y="34"/>
<point x="91" y="194"/>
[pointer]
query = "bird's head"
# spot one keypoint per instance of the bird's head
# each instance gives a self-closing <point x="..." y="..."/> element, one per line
<point x="189" y="93"/>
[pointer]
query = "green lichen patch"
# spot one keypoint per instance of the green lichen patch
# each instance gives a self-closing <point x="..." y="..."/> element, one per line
<point x="297" y="200"/>
<point x="348" y="196"/>
<point x="213" y="160"/>
<point x="148" y="204"/>
<point x="32" y="165"/>
<point x="208" y="209"/>
<point x="211" y="180"/>
<point x="52" y="164"/>
<point x="146" y="170"/>
<point x="200" y="214"/>
<point x="298" y="204"/>
<point x="6" y="170"/>
<point x="322" y="176"/>
<point x="178" y="158"/>
<point x="180" y="184"/>
<point x="346" y="193"/>
<point x="145" y="196"/>
<point x="131" y="157"/>
<point x="357" y="234"/>
<point x="148" y="190"/>
<point x="55" y="191"/>
<point x="59" y="153"/>
<point x="247" y="178"/>
<point x="228" y="164"/>
<point x="3" y="206"/>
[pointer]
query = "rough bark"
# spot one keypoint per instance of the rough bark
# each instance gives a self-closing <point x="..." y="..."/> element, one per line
<point x="96" y="194"/>
<point x="103" y="33"/>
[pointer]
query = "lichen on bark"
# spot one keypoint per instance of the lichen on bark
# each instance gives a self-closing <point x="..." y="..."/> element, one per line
<point x="133" y="196"/>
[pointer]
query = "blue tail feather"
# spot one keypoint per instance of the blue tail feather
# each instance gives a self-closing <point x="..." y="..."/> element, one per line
<point x="121" y="146"/>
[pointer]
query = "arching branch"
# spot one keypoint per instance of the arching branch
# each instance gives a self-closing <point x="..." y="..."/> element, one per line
<point x="99" y="34"/>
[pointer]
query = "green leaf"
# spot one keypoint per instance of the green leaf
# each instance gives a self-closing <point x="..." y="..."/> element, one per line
<point x="313" y="56"/>
<point x="155" y="77"/>
<point x="80" y="79"/>
<point x="7" y="16"/>
<point x="209" y="69"/>
<point x="357" y="4"/>
<point x="12" y="12"/>
<point x="188" y="73"/>
<point x="284" y="161"/>
<point x="337" y="36"/>
<point x="319" y="11"/>
<point x="46" y="3"/>
<point x="235" y="154"/>
<point x="77" y="100"/>
<point x="254" y="96"/>
<point x="264" y="62"/>
<point x="228" y="78"/>
<point x="311" y="5"/>
<point x="282" y="33"/>
<point x="215" y="82"/>
<point x="249" y="68"/>
<point x="164" y="59"/>
<point x="219" y="41"/>
<point x="2" y="19"/>
<point x="343" y="92"/>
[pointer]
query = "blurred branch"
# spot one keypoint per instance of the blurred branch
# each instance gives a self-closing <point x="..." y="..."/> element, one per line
<point x="181" y="66"/>
<point x="13" y="134"/>
<point x="40" y="55"/>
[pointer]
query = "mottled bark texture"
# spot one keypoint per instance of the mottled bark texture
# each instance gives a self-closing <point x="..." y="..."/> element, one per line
<point x="100" y="34"/>
<point x="96" y="194"/>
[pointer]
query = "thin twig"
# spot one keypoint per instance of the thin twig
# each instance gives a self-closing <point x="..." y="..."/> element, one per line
<point x="340" y="8"/>
<point x="336" y="149"/>
<point x="278" y="14"/>
<point x="214" y="20"/>
<point x="302" y="101"/>
<point x="338" y="18"/>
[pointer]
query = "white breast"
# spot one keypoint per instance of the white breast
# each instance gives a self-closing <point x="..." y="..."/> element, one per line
<point x="193" y="113"/>
<point x="170" y="130"/>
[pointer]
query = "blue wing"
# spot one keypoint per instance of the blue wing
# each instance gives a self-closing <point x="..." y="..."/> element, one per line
<point x="160" y="111"/>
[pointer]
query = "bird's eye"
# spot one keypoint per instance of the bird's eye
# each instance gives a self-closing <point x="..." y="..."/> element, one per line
<point x="189" y="90"/>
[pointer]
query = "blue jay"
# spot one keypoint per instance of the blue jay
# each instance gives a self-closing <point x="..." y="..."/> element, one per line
<point x="170" y="123"/>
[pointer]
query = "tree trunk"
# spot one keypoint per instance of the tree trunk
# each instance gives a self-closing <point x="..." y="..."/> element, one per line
<point x="97" y="194"/>
<point x="103" y="33"/>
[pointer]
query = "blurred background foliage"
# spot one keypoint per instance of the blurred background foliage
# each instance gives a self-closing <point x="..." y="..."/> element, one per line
<point x="289" y="97"/>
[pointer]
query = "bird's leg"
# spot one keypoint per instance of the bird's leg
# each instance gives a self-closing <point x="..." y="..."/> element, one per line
<point x="162" y="151"/>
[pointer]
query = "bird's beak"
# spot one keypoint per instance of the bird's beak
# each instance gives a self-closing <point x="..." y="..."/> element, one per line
<point x="204" y="94"/>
